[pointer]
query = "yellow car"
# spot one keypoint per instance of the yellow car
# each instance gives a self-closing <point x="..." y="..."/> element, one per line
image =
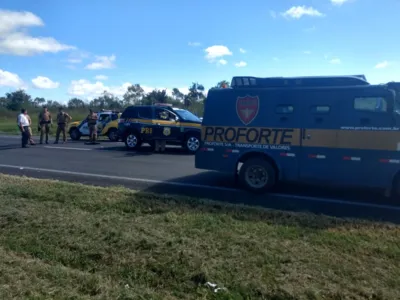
<point x="107" y="125"/>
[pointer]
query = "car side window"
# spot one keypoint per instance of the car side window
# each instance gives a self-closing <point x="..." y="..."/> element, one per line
<point x="163" y="114"/>
<point x="114" y="117"/>
<point x="370" y="104"/>
<point x="144" y="112"/>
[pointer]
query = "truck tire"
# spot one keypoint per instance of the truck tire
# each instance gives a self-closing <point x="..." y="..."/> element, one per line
<point x="257" y="175"/>
<point x="133" y="141"/>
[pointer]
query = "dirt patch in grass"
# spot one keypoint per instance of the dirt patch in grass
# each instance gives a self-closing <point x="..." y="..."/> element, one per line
<point x="69" y="241"/>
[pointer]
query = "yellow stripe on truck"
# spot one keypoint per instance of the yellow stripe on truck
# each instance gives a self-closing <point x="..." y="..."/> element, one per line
<point x="386" y="140"/>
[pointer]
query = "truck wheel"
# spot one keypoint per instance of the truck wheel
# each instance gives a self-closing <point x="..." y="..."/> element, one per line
<point x="132" y="141"/>
<point x="75" y="134"/>
<point x="192" y="143"/>
<point x="257" y="175"/>
<point x="113" y="135"/>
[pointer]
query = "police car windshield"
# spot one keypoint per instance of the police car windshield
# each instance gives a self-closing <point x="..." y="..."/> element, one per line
<point x="186" y="115"/>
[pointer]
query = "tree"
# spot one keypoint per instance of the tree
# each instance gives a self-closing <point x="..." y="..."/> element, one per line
<point x="76" y="103"/>
<point x="156" y="96"/>
<point x="177" y="94"/>
<point x="3" y="102"/>
<point x="16" y="100"/>
<point x="106" y="101"/>
<point x="38" y="101"/>
<point x="222" y="84"/>
<point x="133" y="95"/>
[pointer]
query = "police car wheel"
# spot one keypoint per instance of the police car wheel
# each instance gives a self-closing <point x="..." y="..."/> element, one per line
<point x="132" y="141"/>
<point x="112" y="135"/>
<point x="257" y="175"/>
<point x="192" y="143"/>
<point x="75" y="134"/>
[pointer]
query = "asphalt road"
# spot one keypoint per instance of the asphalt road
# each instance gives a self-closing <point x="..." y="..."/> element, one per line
<point x="173" y="172"/>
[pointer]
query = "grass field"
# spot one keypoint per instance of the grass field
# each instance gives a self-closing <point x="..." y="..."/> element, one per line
<point x="69" y="241"/>
<point x="8" y="120"/>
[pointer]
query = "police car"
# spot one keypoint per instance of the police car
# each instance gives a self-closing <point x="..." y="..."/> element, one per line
<point x="145" y="124"/>
<point x="330" y="130"/>
<point x="107" y="125"/>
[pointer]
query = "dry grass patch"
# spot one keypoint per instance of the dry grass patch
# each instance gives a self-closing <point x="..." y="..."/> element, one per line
<point x="69" y="241"/>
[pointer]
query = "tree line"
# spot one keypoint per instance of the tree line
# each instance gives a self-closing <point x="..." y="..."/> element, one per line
<point x="134" y="95"/>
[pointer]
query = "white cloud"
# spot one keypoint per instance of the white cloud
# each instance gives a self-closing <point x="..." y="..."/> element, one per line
<point x="335" y="61"/>
<point x="382" y="65"/>
<point x="88" y="90"/>
<point x="24" y="45"/>
<point x="14" y="39"/>
<point x="222" y="62"/>
<point x="101" y="77"/>
<point x="42" y="82"/>
<point x="296" y="12"/>
<point x="310" y="29"/>
<point x="74" y="60"/>
<point x="9" y="79"/>
<point x="241" y="64"/>
<point x="338" y="2"/>
<point x="272" y="14"/>
<point x="242" y="50"/>
<point x="216" y="51"/>
<point x="13" y="20"/>
<point x="194" y="44"/>
<point x="307" y="52"/>
<point x="102" y="62"/>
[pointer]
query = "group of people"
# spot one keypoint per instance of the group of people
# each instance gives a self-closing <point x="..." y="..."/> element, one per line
<point x="45" y="121"/>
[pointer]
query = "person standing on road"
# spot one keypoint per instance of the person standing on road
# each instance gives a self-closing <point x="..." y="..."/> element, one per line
<point x="45" y="121"/>
<point x="62" y="119"/>
<point x="92" y="123"/>
<point x="31" y="141"/>
<point x="23" y="125"/>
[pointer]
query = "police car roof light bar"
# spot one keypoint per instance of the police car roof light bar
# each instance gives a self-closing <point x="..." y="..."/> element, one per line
<point x="163" y="104"/>
<point x="306" y="81"/>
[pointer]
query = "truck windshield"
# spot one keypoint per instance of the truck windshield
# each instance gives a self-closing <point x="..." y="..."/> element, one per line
<point x="186" y="115"/>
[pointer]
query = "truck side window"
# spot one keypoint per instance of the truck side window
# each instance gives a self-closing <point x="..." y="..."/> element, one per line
<point x="284" y="109"/>
<point x="320" y="109"/>
<point x="370" y="104"/>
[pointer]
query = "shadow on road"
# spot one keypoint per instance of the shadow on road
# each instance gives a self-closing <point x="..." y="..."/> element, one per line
<point x="287" y="197"/>
<point x="145" y="150"/>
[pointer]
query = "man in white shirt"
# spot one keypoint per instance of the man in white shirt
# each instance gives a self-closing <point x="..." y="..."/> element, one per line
<point x="23" y="124"/>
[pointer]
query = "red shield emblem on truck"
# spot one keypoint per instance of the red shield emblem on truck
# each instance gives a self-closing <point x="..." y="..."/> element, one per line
<point x="247" y="108"/>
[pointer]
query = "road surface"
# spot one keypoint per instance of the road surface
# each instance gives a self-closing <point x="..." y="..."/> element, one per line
<point x="173" y="172"/>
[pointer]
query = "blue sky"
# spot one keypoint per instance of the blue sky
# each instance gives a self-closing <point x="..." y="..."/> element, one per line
<point x="56" y="49"/>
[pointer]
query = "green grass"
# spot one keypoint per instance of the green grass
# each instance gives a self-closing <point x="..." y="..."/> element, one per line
<point x="69" y="241"/>
<point x="8" y="120"/>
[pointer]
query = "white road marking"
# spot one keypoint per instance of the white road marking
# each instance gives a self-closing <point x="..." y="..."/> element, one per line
<point x="193" y="185"/>
<point x="67" y="148"/>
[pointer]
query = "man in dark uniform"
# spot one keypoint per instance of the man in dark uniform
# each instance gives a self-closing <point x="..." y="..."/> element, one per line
<point x="62" y="119"/>
<point x="92" y="124"/>
<point x="44" y="124"/>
